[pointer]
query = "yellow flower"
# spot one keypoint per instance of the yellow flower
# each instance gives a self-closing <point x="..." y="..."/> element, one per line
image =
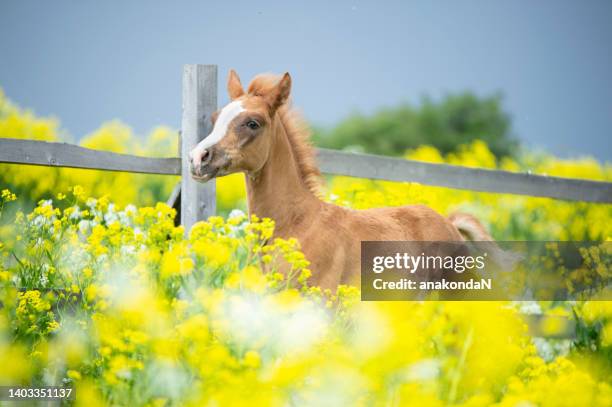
<point x="175" y="262"/>
<point x="215" y="254"/>
<point x="87" y="272"/>
<point x="78" y="192"/>
<point x="8" y="196"/>
<point x="251" y="359"/>
<point x="91" y="292"/>
<point x="195" y="328"/>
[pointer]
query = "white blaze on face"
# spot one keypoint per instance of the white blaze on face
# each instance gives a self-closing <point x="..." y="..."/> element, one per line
<point x="228" y="113"/>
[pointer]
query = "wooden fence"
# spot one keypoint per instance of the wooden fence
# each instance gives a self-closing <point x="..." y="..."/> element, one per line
<point x="196" y="201"/>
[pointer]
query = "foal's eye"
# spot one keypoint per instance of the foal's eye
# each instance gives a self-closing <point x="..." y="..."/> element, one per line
<point x="253" y="125"/>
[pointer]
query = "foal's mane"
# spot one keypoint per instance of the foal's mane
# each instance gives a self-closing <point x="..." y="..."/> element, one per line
<point x="297" y="131"/>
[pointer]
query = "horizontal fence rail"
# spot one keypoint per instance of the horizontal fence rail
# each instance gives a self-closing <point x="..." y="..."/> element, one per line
<point x="454" y="176"/>
<point x="17" y="151"/>
<point x="33" y="152"/>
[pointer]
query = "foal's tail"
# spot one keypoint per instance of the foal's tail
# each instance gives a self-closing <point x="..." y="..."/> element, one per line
<point x="470" y="227"/>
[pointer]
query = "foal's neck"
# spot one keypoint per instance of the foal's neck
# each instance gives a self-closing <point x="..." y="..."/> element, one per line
<point x="278" y="190"/>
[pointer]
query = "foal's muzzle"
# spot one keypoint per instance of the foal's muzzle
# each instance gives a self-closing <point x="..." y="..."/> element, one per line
<point x="207" y="164"/>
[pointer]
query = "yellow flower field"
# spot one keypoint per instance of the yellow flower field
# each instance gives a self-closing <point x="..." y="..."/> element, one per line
<point x="120" y="305"/>
<point x="100" y="291"/>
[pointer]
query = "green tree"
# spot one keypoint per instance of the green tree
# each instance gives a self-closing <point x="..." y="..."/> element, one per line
<point x="454" y="120"/>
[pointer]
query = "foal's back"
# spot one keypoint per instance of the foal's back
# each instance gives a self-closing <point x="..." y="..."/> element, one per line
<point x="333" y="243"/>
<point x="412" y="222"/>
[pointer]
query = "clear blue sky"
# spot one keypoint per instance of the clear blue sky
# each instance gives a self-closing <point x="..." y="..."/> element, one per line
<point x="90" y="61"/>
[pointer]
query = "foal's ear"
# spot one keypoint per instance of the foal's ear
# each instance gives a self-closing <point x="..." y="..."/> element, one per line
<point x="280" y="93"/>
<point x="234" y="87"/>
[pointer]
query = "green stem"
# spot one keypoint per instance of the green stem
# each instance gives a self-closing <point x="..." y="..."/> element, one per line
<point x="456" y="377"/>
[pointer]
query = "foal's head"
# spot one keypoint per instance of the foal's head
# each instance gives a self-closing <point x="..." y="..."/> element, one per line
<point x="242" y="130"/>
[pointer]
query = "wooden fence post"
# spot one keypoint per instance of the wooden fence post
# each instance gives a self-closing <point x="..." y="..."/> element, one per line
<point x="198" y="201"/>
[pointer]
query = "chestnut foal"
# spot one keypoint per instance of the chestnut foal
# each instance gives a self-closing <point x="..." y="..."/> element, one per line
<point x="258" y="134"/>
